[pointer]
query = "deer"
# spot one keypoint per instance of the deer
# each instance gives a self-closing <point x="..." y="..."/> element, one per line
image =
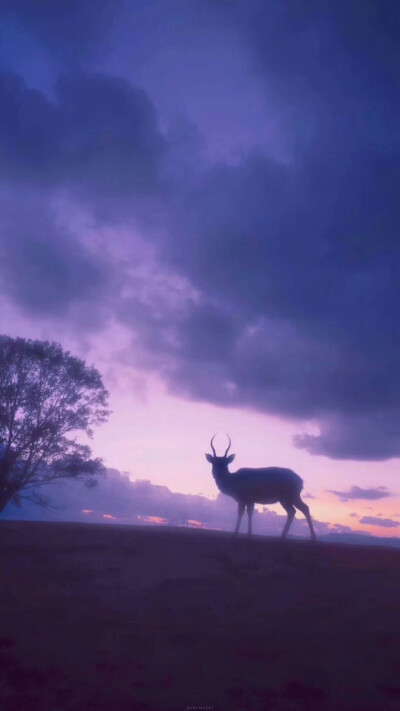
<point x="268" y="485"/>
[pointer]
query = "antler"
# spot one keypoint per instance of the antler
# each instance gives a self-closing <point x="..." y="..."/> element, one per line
<point x="212" y="446"/>
<point x="229" y="446"/>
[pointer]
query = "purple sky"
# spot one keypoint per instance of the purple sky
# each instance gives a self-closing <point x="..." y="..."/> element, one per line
<point x="201" y="198"/>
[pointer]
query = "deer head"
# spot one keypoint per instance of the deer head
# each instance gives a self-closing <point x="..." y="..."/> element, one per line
<point x="220" y="464"/>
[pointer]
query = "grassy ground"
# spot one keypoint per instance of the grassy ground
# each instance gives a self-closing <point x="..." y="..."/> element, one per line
<point x="129" y="618"/>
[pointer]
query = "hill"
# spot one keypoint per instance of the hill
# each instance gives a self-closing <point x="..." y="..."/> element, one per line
<point x="111" y="617"/>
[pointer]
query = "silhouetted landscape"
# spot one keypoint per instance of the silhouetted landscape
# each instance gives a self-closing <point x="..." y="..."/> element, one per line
<point x="117" y="617"/>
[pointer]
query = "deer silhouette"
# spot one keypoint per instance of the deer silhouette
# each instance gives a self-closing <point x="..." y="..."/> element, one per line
<point x="269" y="485"/>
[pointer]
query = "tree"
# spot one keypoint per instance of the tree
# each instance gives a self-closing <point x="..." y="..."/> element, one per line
<point x="47" y="397"/>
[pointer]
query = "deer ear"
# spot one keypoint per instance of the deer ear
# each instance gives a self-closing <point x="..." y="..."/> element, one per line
<point x="230" y="458"/>
<point x="209" y="458"/>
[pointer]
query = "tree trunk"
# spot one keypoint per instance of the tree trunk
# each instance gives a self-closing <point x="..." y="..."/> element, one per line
<point x="6" y="492"/>
<point x="5" y="498"/>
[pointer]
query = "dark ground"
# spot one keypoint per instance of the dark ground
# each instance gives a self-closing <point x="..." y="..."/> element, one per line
<point x="130" y="618"/>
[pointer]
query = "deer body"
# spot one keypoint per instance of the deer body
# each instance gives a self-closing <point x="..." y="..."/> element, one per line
<point x="268" y="485"/>
<point x="259" y="486"/>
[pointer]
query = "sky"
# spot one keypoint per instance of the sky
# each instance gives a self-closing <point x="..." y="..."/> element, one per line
<point x="201" y="199"/>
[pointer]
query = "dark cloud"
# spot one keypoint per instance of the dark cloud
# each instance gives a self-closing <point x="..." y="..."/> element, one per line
<point x="356" y="492"/>
<point x="71" y="29"/>
<point x="294" y="260"/>
<point x="96" y="144"/>
<point x="302" y="256"/>
<point x="324" y="64"/>
<point x="44" y="268"/>
<point x="376" y="521"/>
<point x="99" y="138"/>
<point x="308" y="271"/>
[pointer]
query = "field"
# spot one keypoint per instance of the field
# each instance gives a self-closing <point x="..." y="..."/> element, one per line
<point x="139" y="618"/>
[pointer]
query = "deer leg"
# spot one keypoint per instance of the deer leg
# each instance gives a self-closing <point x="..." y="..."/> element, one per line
<point x="299" y="504"/>
<point x="291" y="512"/>
<point x="241" y="508"/>
<point x="250" y="510"/>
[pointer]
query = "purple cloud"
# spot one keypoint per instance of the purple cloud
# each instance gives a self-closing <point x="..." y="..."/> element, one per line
<point x="357" y="492"/>
<point x="292" y="254"/>
<point x="99" y="136"/>
<point x="376" y="521"/>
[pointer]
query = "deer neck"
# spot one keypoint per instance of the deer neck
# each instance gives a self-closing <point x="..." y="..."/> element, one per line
<point x="223" y="479"/>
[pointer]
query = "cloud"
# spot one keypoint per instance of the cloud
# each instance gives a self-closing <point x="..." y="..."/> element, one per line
<point x="75" y="31"/>
<point x="299" y="255"/>
<point x="311" y="307"/>
<point x="291" y="260"/>
<point x="99" y="138"/>
<point x="94" y="149"/>
<point x="376" y="521"/>
<point x="299" y="263"/>
<point x="44" y="267"/>
<point x="356" y="492"/>
<point x="323" y="65"/>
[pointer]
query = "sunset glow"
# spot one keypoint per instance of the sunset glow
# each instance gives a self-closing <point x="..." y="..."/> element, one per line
<point x="157" y="520"/>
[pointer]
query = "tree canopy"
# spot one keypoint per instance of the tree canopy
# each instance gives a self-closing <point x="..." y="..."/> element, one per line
<point x="47" y="397"/>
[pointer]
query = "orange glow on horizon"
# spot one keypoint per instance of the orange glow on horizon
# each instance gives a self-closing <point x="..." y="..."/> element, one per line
<point x="153" y="519"/>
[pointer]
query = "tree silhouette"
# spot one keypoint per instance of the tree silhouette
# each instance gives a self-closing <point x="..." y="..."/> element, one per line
<point x="47" y="397"/>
